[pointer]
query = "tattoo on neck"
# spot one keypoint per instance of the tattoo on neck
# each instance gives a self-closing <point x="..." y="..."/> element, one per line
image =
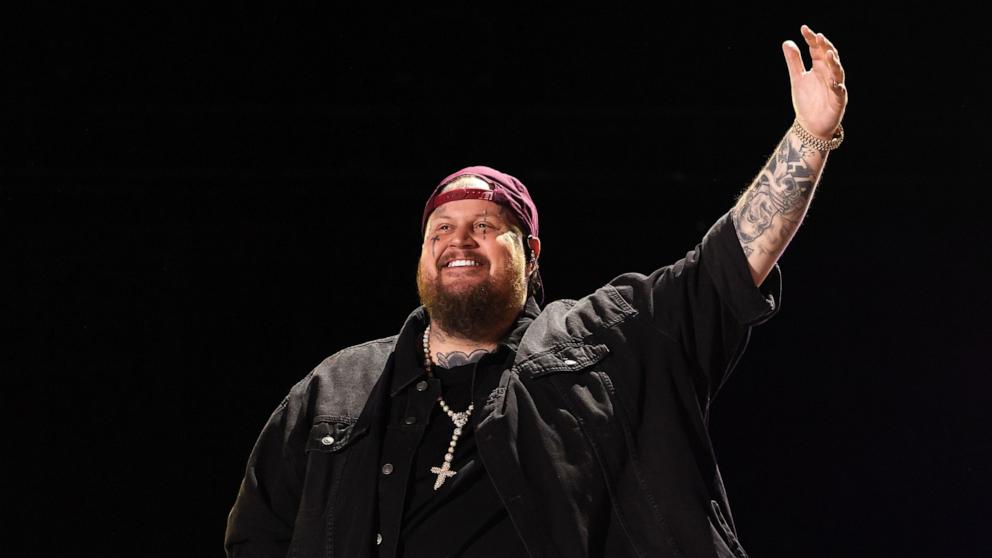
<point x="458" y="358"/>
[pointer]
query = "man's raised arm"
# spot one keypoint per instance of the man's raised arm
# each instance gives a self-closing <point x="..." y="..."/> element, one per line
<point x="768" y="213"/>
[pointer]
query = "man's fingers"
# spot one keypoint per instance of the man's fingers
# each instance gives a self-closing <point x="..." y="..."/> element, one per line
<point x="818" y="43"/>
<point x="820" y="48"/>
<point x="793" y="59"/>
<point x="829" y="45"/>
<point x="834" y="62"/>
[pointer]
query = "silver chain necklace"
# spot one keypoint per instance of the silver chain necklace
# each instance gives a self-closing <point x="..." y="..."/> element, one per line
<point x="460" y="420"/>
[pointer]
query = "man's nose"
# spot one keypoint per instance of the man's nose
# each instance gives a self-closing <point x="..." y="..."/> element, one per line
<point x="463" y="237"/>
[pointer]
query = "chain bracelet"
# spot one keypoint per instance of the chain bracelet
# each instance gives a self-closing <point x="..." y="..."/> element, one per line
<point x="818" y="143"/>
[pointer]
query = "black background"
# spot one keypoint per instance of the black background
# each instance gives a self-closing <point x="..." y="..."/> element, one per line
<point x="200" y="204"/>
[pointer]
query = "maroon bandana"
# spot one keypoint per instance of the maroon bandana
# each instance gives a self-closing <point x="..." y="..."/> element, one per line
<point x="505" y="190"/>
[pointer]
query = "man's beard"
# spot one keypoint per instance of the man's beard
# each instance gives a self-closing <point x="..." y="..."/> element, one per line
<point x="474" y="311"/>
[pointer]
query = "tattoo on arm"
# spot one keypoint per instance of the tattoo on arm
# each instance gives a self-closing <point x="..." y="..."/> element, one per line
<point x="769" y="212"/>
<point x="458" y="358"/>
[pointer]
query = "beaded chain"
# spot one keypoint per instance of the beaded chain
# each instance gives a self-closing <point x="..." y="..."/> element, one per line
<point x="460" y="420"/>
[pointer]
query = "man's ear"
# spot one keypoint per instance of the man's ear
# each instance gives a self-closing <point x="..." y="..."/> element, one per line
<point x="534" y="248"/>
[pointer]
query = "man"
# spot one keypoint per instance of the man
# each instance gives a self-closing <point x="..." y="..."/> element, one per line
<point x="491" y="427"/>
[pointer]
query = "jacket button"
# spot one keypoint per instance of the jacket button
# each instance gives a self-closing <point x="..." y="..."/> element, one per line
<point x="410" y="420"/>
<point x="570" y="362"/>
<point x="327" y="440"/>
<point x="422" y="385"/>
<point x="387" y="469"/>
<point x="378" y="538"/>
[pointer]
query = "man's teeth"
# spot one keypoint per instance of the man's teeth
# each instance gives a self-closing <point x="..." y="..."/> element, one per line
<point x="462" y="263"/>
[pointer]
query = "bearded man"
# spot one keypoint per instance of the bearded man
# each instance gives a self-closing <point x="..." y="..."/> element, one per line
<point x="492" y="427"/>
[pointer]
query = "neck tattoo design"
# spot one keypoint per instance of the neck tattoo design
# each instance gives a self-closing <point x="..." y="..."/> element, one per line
<point x="460" y="420"/>
<point x="459" y="358"/>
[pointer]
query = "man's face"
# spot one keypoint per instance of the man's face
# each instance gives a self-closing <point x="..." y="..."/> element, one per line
<point x="472" y="270"/>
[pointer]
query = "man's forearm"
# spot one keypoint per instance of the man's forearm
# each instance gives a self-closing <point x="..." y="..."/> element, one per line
<point x="768" y="213"/>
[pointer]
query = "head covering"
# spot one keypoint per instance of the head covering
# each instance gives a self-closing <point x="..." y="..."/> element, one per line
<point x="505" y="190"/>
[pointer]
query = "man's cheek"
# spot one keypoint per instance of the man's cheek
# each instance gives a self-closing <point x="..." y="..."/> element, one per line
<point x="427" y="268"/>
<point x="430" y="246"/>
<point x="509" y="240"/>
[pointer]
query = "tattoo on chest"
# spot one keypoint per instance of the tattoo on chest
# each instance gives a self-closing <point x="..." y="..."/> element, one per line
<point x="458" y="358"/>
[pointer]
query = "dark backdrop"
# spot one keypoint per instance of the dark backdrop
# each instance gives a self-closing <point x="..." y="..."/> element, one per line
<point x="198" y="205"/>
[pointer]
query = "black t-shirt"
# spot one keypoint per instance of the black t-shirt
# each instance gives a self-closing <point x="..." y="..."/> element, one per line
<point x="464" y="517"/>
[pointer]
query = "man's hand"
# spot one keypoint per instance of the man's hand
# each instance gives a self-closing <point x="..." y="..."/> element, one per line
<point x="819" y="95"/>
<point x="768" y="213"/>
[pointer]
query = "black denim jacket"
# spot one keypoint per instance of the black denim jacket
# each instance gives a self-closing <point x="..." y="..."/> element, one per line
<point x="595" y="438"/>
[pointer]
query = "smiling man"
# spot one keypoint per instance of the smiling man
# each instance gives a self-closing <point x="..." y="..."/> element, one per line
<point x="472" y="276"/>
<point x="489" y="426"/>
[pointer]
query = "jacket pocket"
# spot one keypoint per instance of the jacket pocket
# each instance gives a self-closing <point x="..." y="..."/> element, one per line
<point x="329" y="438"/>
<point x="724" y="535"/>
<point x="330" y="434"/>
<point x="570" y="358"/>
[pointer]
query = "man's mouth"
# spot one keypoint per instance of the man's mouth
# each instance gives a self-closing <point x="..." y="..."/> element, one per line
<point x="462" y="264"/>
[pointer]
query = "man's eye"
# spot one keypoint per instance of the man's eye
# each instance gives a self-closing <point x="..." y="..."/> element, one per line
<point x="443" y="227"/>
<point x="485" y="225"/>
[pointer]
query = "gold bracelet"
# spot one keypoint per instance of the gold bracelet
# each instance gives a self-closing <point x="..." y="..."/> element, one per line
<point x="817" y="143"/>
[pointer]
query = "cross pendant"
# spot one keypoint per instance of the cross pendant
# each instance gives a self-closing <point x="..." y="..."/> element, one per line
<point x="442" y="473"/>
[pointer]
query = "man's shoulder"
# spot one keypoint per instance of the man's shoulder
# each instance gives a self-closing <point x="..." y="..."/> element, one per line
<point x="565" y="321"/>
<point x="359" y="359"/>
<point x="368" y="349"/>
<point x="606" y="305"/>
<point x="340" y="384"/>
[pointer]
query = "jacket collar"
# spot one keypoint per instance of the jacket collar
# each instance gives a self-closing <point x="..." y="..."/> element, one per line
<point x="409" y="352"/>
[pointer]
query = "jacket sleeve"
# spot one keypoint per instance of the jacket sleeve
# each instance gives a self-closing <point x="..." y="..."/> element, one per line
<point x="261" y="522"/>
<point x="706" y="302"/>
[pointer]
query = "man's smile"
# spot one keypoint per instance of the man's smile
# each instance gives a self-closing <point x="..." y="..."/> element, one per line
<point x="463" y="263"/>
